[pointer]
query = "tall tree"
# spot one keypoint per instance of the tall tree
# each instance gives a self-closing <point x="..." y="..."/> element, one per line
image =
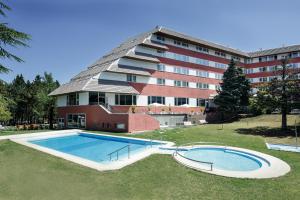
<point x="9" y="37"/>
<point x="234" y="92"/>
<point x="285" y="88"/>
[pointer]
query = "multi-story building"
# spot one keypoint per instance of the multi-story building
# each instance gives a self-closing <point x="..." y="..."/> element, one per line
<point x="157" y="72"/>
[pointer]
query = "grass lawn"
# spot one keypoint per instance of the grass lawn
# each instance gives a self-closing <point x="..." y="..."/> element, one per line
<point x="29" y="174"/>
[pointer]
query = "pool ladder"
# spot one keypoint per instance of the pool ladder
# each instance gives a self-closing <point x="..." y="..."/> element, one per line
<point x="117" y="152"/>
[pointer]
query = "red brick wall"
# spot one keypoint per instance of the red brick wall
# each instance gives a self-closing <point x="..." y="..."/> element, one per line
<point x="98" y="119"/>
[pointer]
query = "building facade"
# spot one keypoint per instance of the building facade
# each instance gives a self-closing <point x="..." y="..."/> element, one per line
<point x="160" y="72"/>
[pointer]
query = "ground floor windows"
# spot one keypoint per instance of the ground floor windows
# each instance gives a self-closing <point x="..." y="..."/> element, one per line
<point x="156" y="99"/>
<point x="73" y="99"/>
<point x="181" y="101"/>
<point x="125" y="99"/>
<point x="201" y="102"/>
<point x="76" y="120"/>
<point x="97" y="98"/>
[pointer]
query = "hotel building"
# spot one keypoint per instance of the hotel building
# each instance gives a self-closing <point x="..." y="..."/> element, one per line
<point x="158" y="78"/>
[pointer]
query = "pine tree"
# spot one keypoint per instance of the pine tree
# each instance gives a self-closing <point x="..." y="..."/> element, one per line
<point x="9" y="37"/>
<point x="234" y="92"/>
<point x="285" y="88"/>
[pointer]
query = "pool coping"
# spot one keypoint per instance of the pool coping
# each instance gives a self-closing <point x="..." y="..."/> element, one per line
<point x="277" y="167"/>
<point x="114" y="165"/>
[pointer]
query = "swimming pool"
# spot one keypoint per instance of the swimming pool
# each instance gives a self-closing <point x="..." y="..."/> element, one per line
<point x="97" y="151"/>
<point x="97" y="148"/>
<point x="225" y="159"/>
<point x="231" y="161"/>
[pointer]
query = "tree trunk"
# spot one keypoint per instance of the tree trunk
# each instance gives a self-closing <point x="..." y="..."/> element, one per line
<point x="51" y="114"/>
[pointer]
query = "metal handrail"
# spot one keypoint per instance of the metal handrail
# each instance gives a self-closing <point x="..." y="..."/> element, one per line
<point x="193" y="144"/>
<point x="210" y="163"/>
<point x="117" y="151"/>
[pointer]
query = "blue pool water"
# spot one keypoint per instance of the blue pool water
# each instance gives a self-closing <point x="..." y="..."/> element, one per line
<point x="94" y="147"/>
<point x="225" y="159"/>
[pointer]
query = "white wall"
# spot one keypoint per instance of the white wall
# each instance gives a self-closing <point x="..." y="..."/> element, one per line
<point x="110" y="97"/>
<point x="83" y="98"/>
<point x="142" y="100"/>
<point x="61" y="100"/>
<point x="169" y="101"/>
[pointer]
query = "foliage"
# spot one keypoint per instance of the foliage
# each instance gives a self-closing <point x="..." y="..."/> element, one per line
<point x="9" y="37"/>
<point x="234" y="93"/>
<point x="5" y="115"/>
<point x="29" y="101"/>
<point x="284" y="89"/>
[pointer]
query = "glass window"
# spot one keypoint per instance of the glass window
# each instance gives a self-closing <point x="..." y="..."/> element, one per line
<point x="181" y="101"/>
<point x="201" y="102"/>
<point x="96" y="98"/>
<point x="202" y="85"/>
<point x="161" y="67"/>
<point x="125" y="99"/>
<point x="156" y="99"/>
<point x="161" y="38"/>
<point x="177" y="83"/>
<point x="202" y="73"/>
<point x="185" y="84"/>
<point x="73" y="99"/>
<point x="131" y="78"/>
<point x="161" y="81"/>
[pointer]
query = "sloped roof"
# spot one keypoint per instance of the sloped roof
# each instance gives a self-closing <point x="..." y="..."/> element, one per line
<point x="275" y="51"/>
<point x="129" y="70"/>
<point x="98" y="85"/>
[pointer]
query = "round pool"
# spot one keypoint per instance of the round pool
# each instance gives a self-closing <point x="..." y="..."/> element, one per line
<point x="222" y="158"/>
<point x="231" y="161"/>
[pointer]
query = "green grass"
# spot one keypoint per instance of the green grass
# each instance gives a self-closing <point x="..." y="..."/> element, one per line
<point x="29" y="174"/>
<point x="13" y="132"/>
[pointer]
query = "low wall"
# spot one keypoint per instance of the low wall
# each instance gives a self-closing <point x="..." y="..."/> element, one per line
<point x="99" y="119"/>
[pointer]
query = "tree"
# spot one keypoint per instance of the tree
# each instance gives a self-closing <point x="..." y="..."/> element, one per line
<point x="9" y="37"/>
<point x="234" y="93"/>
<point x="5" y="115"/>
<point x="285" y="88"/>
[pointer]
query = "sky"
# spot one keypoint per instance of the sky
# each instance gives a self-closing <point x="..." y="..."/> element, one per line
<point x="69" y="35"/>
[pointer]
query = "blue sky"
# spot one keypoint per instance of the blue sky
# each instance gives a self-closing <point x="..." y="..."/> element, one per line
<point x="69" y="35"/>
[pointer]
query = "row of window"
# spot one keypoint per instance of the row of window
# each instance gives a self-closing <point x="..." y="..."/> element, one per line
<point x="275" y="57"/>
<point x="198" y="48"/>
<point x="271" y="68"/>
<point x="190" y="59"/>
<point x="186" y="71"/>
<point x="98" y="98"/>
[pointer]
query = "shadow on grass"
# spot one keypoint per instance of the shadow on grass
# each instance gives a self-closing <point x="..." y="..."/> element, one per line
<point x="268" y="131"/>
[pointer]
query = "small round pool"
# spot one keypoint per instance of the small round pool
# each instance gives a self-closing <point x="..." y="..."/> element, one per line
<point x="231" y="161"/>
<point x="222" y="158"/>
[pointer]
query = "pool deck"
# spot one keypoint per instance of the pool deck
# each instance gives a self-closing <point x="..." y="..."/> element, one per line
<point x="283" y="147"/>
<point x="113" y="165"/>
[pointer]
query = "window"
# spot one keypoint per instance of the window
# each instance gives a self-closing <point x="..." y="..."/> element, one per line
<point x="294" y="55"/>
<point x="202" y="49"/>
<point x="236" y="58"/>
<point x="221" y="54"/>
<point x="177" y="83"/>
<point x="177" y="42"/>
<point x="181" y="83"/>
<point x="131" y="78"/>
<point x="202" y="85"/>
<point x="96" y="98"/>
<point x="156" y="99"/>
<point x="185" y="44"/>
<point x="249" y="71"/>
<point x="125" y="99"/>
<point x="218" y="76"/>
<point x="202" y="62"/>
<point x="248" y="61"/>
<point x="220" y="65"/>
<point x="161" y="53"/>
<point x="201" y="102"/>
<point x="181" y="101"/>
<point x="202" y="73"/>
<point x="76" y="120"/>
<point x="161" y="81"/>
<point x="73" y="99"/>
<point x="185" y="84"/>
<point x="263" y="79"/>
<point x="161" y="67"/>
<point x="161" y="38"/>
<point x="263" y="69"/>
<point x="263" y="59"/>
<point x="180" y="70"/>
